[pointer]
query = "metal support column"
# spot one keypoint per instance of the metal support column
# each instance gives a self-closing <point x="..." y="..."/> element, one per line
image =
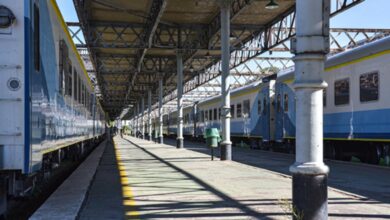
<point x="309" y="171"/>
<point x="150" y="114"/>
<point x="160" y="114"/>
<point x="179" y="60"/>
<point x="226" y="145"/>
<point x="143" y="117"/>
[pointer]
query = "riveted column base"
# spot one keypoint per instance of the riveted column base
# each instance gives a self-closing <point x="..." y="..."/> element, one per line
<point x="179" y="143"/>
<point x="310" y="196"/>
<point x="226" y="151"/>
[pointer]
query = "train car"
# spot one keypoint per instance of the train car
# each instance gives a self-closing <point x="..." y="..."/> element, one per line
<point x="48" y="106"/>
<point x="251" y="115"/>
<point x="356" y="110"/>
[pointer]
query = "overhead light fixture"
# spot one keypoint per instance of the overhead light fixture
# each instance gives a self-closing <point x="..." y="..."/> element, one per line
<point x="272" y="5"/>
<point x="208" y="55"/>
<point x="232" y="37"/>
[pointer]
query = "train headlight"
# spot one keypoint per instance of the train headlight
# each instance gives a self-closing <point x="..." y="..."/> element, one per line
<point x="7" y="18"/>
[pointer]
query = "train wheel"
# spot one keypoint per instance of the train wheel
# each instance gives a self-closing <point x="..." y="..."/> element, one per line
<point x="372" y="155"/>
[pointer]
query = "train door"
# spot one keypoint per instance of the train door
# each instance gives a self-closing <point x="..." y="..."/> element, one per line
<point x="265" y="115"/>
<point x="279" y="112"/>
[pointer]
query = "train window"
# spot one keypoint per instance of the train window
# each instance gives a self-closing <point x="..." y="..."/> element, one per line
<point x="369" y="87"/>
<point x="219" y="113"/>
<point x="278" y="103"/>
<point x="37" y="53"/>
<point x="324" y="97"/>
<point x="341" y="94"/>
<point x="206" y="115"/>
<point x="247" y="109"/>
<point x="215" y="114"/>
<point x="69" y="79"/>
<point x="211" y="114"/>
<point x="239" y="110"/>
<point x="79" y="90"/>
<point x="232" y="111"/>
<point x="259" y="107"/>
<point x="75" y="83"/>
<point x="285" y="101"/>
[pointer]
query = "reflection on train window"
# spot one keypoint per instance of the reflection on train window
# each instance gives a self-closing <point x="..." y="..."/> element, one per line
<point x="324" y="97"/>
<point x="76" y="90"/>
<point x="239" y="110"/>
<point x="285" y="103"/>
<point x="278" y="103"/>
<point x="369" y="87"/>
<point x="264" y="106"/>
<point x="68" y="83"/>
<point x="259" y="107"/>
<point x="341" y="94"/>
<point x="232" y="111"/>
<point x="247" y="109"/>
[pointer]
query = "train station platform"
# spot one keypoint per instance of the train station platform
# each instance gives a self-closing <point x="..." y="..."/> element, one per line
<point x="138" y="179"/>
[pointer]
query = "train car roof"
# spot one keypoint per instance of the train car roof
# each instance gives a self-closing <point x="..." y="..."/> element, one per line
<point x="233" y="92"/>
<point x="345" y="58"/>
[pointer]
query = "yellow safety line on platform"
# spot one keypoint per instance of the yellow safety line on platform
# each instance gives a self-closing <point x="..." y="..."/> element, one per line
<point x="126" y="188"/>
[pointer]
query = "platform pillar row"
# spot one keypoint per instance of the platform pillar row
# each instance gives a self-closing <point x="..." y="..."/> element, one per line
<point x="136" y="118"/>
<point x="309" y="171"/>
<point x="143" y="117"/>
<point x="179" y="60"/>
<point x="226" y="145"/>
<point x="160" y="112"/>
<point x="150" y="114"/>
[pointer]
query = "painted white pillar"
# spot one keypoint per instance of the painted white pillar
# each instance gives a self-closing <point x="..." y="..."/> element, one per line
<point x="226" y="145"/>
<point x="309" y="171"/>
<point x="160" y="113"/>
<point x="180" y="138"/>
<point x="150" y="114"/>
<point x="143" y="117"/>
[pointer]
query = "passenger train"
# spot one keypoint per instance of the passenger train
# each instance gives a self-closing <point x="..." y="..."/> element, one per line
<point x="356" y="110"/>
<point x="48" y="107"/>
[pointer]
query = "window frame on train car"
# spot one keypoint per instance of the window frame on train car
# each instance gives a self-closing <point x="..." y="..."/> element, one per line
<point x="246" y="108"/>
<point x="324" y="97"/>
<point x="239" y="110"/>
<point x="377" y="87"/>
<point x="37" y="40"/>
<point x="259" y="107"/>
<point x="285" y="102"/>
<point x="75" y="82"/>
<point x="232" y="111"/>
<point x="278" y="103"/>
<point x="349" y="92"/>
<point x="68" y="79"/>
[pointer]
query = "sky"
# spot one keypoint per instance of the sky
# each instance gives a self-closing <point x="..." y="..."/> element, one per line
<point x="369" y="14"/>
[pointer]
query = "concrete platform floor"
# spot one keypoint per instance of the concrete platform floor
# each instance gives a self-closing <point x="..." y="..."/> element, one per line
<point x="144" y="180"/>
